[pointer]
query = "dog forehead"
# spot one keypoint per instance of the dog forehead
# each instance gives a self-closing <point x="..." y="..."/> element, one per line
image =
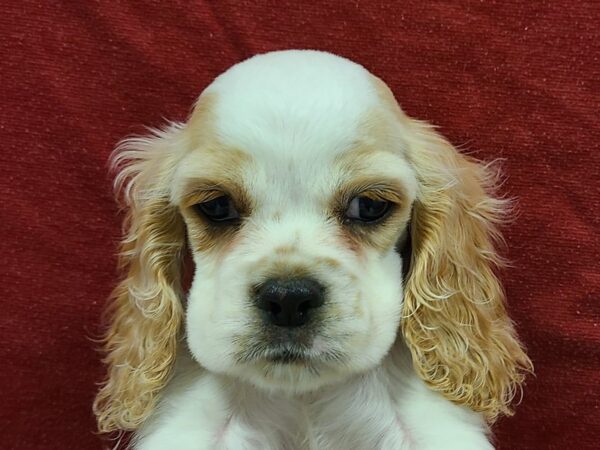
<point x="297" y="104"/>
<point x="304" y="121"/>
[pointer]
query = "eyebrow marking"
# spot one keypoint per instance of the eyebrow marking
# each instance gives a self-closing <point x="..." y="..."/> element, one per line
<point x="374" y="167"/>
<point x="381" y="188"/>
<point x="197" y="190"/>
<point x="208" y="172"/>
<point x="205" y="235"/>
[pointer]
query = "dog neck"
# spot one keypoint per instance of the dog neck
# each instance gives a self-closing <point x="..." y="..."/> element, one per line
<point x="306" y="421"/>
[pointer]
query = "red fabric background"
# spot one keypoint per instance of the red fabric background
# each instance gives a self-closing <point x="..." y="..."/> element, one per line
<point x="516" y="80"/>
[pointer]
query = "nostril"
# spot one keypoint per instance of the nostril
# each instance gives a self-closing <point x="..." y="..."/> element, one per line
<point x="305" y="306"/>
<point x="274" y="308"/>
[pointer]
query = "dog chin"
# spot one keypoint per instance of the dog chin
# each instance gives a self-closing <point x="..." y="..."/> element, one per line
<point x="291" y="373"/>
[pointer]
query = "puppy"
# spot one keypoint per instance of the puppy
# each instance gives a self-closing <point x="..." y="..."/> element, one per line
<point x="344" y="294"/>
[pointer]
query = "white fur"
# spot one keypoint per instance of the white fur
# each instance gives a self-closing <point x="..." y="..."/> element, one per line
<point x="295" y="113"/>
<point x="385" y="408"/>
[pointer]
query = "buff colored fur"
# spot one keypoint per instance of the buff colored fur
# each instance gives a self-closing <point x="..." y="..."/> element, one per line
<point x="462" y="341"/>
<point x="146" y="310"/>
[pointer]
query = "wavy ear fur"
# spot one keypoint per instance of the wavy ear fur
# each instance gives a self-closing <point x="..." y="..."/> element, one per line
<point x="145" y="311"/>
<point x="462" y="342"/>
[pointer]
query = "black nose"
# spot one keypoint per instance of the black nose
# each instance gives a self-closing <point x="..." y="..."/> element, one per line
<point x="287" y="301"/>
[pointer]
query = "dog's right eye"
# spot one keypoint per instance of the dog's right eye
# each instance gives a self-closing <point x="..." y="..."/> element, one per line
<point x="220" y="209"/>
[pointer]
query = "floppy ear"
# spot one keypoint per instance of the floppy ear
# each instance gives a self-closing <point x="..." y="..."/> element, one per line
<point x="462" y="342"/>
<point x="145" y="311"/>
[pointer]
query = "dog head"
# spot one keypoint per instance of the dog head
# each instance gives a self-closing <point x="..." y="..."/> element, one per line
<point x="295" y="184"/>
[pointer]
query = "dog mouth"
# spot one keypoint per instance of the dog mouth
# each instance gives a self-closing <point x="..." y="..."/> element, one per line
<point x="302" y="347"/>
<point x="287" y="356"/>
<point x="277" y="354"/>
<point x="292" y="354"/>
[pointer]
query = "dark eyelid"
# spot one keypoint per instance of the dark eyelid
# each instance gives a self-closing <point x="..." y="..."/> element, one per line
<point x="391" y="191"/>
<point x="202" y="189"/>
<point x="390" y="208"/>
<point x="201" y="196"/>
<point x="197" y="207"/>
<point x="378" y="192"/>
<point x="390" y="188"/>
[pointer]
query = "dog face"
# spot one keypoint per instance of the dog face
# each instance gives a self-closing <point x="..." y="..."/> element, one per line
<point x="293" y="214"/>
<point x="292" y="185"/>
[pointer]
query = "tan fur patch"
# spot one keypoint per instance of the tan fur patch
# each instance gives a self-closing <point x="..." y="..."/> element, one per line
<point x="455" y="323"/>
<point x="456" y="326"/>
<point x="201" y="123"/>
<point x="282" y="268"/>
<point x="387" y="98"/>
<point x="357" y="166"/>
<point x="210" y="170"/>
<point x="328" y="262"/>
<point x="204" y="234"/>
<point x="285" y="250"/>
<point x="145" y="313"/>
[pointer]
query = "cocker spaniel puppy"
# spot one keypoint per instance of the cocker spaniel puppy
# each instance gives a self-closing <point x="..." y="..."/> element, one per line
<point x="344" y="293"/>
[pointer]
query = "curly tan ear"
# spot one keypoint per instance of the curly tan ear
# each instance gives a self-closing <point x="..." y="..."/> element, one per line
<point x="462" y="342"/>
<point x="145" y="313"/>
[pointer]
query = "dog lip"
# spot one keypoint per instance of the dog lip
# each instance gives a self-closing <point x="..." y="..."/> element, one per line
<point x="287" y="356"/>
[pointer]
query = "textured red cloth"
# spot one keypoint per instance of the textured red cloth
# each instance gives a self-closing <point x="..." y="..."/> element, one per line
<point x="515" y="80"/>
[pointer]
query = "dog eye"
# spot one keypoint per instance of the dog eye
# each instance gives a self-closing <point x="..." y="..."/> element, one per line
<point x="220" y="209"/>
<point x="365" y="209"/>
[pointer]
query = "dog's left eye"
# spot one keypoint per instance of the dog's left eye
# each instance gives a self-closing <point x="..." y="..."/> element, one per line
<point x="366" y="209"/>
<point x="220" y="209"/>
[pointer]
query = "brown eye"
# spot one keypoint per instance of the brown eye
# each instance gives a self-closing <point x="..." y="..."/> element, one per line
<point x="365" y="209"/>
<point x="220" y="209"/>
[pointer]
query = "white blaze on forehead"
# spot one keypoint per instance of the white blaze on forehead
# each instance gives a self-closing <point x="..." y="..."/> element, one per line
<point x="293" y="112"/>
<point x="295" y="102"/>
